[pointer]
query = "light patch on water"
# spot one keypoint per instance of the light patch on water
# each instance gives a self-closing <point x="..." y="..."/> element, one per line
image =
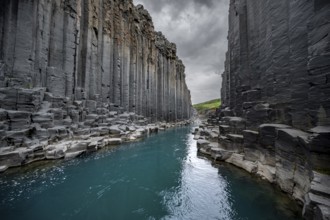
<point x="139" y="211"/>
<point x="32" y="183"/>
<point x="202" y="193"/>
<point x="159" y="178"/>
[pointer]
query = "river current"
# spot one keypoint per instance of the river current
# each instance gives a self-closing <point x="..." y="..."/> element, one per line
<point x="160" y="177"/>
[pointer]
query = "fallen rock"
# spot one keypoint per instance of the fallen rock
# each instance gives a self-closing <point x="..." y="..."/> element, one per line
<point x="238" y="160"/>
<point x="266" y="172"/>
<point x="202" y="143"/>
<point x="11" y="159"/>
<point x="57" y="151"/>
<point x="70" y="155"/>
<point x="115" y="129"/>
<point x="3" y="168"/>
<point x="112" y="141"/>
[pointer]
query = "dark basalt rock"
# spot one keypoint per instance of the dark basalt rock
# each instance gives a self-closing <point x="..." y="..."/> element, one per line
<point x="278" y="54"/>
<point x="276" y="79"/>
<point x="74" y="69"/>
<point x="99" y="53"/>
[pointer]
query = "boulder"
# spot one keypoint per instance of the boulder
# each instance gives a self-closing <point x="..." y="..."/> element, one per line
<point x="220" y="154"/>
<point x="112" y="141"/>
<point x="11" y="159"/>
<point x="202" y="143"/>
<point x="77" y="146"/>
<point x="57" y="151"/>
<point x="70" y="155"/>
<point x="238" y="160"/>
<point x="3" y="168"/>
<point x="115" y="129"/>
<point x="266" y="172"/>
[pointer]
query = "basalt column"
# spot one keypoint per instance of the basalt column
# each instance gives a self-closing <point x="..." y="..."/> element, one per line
<point x="97" y="53"/>
<point x="278" y="54"/>
<point x="275" y="93"/>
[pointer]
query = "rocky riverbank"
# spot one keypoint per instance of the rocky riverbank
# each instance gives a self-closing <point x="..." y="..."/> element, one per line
<point x="70" y="140"/>
<point x="79" y="75"/>
<point x="277" y="153"/>
<point x="275" y="115"/>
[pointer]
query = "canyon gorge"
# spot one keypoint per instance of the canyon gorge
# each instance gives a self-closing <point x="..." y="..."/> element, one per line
<point x="275" y="115"/>
<point x="79" y="75"/>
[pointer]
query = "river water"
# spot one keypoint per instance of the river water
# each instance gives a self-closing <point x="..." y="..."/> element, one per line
<point x="161" y="177"/>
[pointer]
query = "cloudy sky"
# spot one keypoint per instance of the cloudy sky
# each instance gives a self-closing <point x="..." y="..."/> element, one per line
<point x="199" y="29"/>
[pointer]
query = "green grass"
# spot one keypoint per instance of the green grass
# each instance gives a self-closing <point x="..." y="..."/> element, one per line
<point x="323" y="171"/>
<point x="206" y="106"/>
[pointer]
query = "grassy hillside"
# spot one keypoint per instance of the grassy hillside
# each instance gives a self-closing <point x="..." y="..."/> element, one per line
<point x="204" y="107"/>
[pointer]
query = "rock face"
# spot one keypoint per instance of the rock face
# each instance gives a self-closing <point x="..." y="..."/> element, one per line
<point x="279" y="154"/>
<point x="82" y="68"/>
<point x="275" y="92"/>
<point x="278" y="62"/>
<point x="100" y="53"/>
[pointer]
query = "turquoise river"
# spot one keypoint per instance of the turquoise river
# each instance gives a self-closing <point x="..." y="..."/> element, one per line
<point x="160" y="177"/>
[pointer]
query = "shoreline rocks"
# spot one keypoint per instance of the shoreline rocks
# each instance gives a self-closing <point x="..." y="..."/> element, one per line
<point x="75" y="145"/>
<point x="275" y="92"/>
<point x="78" y="70"/>
<point x="278" y="154"/>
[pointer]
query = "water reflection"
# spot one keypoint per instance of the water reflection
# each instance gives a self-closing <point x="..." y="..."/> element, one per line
<point x="203" y="194"/>
<point x="158" y="178"/>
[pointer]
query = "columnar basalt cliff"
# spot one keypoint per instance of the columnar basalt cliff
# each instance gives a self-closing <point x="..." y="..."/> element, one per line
<point x="275" y="117"/>
<point x="278" y="64"/>
<point x="68" y="67"/>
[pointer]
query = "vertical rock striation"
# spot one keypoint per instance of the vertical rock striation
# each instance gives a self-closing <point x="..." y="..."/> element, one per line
<point x="278" y="54"/>
<point x="276" y="96"/>
<point x="76" y="67"/>
<point x="99" y="52"/>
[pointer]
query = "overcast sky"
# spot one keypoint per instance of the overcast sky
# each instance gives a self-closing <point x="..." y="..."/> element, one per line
<point x="199" y="29"/>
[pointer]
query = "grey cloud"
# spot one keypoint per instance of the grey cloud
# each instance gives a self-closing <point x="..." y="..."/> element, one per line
<point x="208" y="3"/>
<point x="199" y="28"/>
<point x="157" y="5"/>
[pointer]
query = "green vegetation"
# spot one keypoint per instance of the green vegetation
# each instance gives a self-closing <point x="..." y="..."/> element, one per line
<point x="204" y="107"/>
<point x="323" y="171"/>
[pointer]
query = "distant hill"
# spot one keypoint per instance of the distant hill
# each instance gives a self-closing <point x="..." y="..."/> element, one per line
<point x="206" y="107"/>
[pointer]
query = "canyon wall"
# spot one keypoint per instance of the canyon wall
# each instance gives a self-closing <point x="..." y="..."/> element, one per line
<point x="275" y="116"/>
<point x="74" y="73"/>
<point x="103" y="53"/>
<point x="279" y="54"/>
